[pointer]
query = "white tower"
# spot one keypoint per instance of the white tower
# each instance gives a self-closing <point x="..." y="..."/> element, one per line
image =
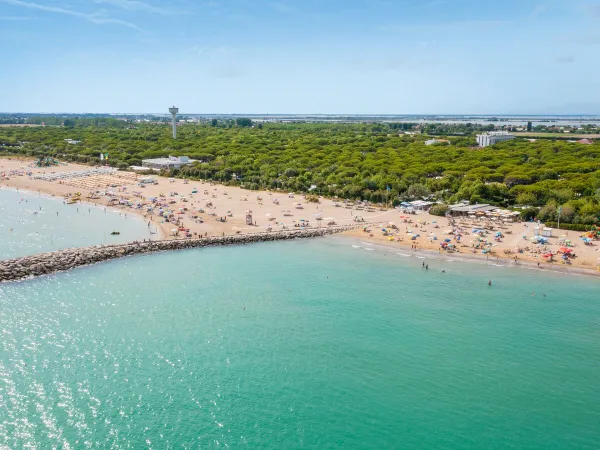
<point x="174" y="112"/>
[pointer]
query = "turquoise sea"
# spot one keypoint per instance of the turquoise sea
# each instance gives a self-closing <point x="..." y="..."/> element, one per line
<point x="304" y="344"/>
<point x="31" y="223"/>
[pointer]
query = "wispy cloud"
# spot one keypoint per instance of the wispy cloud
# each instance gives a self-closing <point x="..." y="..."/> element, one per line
<point x="466" y="25"/>
<point x="17" y="18"/>
<point x="594" y="9"/>
<point x="538" y="11"/>
<point x="565" y="59"/>
<point x="283" y="7"/>
<point x="433" y="4"/>
<point x="97" y="18"/>
<point x="222" y="51"/>
<point x="136" y="5"/>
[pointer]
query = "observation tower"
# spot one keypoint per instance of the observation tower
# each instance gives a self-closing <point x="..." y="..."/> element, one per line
<point x="174" y="112"/>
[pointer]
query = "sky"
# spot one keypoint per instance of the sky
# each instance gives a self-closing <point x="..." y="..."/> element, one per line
<point x="301" y="56"/>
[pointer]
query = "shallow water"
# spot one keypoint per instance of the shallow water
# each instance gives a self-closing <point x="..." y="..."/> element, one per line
<point x="29" y="224"/>
<point x="305" y="344"/>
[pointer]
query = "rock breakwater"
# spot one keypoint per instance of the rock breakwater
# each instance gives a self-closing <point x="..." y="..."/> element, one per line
<point x="47" y="263"/>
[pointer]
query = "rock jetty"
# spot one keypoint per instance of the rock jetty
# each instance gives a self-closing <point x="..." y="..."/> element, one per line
<point x="47" y="263"/>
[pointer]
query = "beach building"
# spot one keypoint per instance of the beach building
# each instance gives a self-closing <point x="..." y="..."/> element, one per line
<point x="143" y="169"/>
<point x="462" y="209"/>
<point x="417" y="205"/>
<point x="542" y="231"/>
<point x="493" y="137"/>
<point x="172" y="162"/>
<point x="483" y="209"/>
<point x="437" y="141"/>
<point x="421" y="205"/>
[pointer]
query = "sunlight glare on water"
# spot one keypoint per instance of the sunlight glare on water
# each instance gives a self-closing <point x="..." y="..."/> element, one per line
<point x="300" y="344"/>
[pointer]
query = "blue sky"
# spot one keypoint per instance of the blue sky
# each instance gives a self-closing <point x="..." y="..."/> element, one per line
<point x="303" y="56"/>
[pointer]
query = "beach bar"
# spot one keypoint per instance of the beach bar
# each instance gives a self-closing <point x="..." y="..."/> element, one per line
<point x="172" y="162"/>
<point x="462" y="209"/>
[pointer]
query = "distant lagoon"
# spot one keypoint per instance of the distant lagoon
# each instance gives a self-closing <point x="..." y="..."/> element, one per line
<point x="517" y="120"/>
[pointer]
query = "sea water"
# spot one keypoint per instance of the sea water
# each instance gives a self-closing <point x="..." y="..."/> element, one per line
<point x="32" y="223"/>
<point x="301" y="344"/>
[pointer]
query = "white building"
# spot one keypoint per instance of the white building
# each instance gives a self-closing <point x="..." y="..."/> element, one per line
<point x="437" y="141"/>
<point x="493" y="137"/>
<point x="172" y="162"/>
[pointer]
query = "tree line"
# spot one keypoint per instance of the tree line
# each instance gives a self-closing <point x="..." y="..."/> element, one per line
<point x="375" y="162"/>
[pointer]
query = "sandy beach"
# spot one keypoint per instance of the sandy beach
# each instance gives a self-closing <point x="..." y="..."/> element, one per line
<point x="197" y="208"/>
<point x="211" y="210"/>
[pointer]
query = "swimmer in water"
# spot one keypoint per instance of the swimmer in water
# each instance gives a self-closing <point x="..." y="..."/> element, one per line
<point x="490" y="283"/>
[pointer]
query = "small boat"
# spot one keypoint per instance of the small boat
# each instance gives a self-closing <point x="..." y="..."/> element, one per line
<point x="115" y="233"/>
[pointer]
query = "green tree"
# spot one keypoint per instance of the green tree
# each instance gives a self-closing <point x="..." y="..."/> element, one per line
<point x="417" y="191"/>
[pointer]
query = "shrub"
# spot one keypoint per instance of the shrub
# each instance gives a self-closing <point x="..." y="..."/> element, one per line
<point x="569" y="226"/>
<point x="439" y="210"/>
<point x="529" y="213"/>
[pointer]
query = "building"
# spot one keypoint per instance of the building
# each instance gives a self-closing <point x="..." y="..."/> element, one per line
<point x="585" y="141"/>
<point x="417" y="205"/>
<point x="493" y="137"/>
<point x="437" y="141"/>
<point x="479" y="210"/>
<point x="463" y="209"/>
<point x="172" y="162"/>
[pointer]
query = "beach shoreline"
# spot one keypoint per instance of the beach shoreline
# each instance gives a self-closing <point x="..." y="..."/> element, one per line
<point x="225" y="208"/>
<point x="48" y="194"/>
<point x="425" y="254"/>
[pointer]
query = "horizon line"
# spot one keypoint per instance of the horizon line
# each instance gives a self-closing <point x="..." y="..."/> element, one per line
<point x="315" y="114"/>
